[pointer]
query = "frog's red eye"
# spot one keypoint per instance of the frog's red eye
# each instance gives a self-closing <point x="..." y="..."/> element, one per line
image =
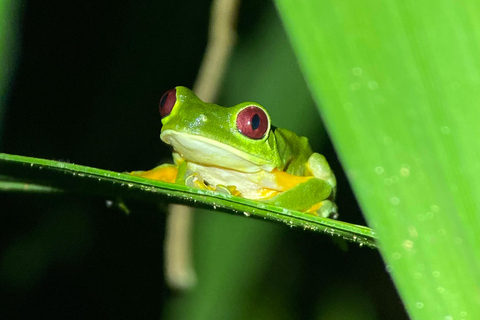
<point x="167" y="102"/>
<point x="252" y="122"/>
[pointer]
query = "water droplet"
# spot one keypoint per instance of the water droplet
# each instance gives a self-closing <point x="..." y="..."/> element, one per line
<point x="109" y="203"/>
<point x="246" y="214"/>
<point x="408" y="244"/>
<point x="448" y="317"/>
<point x="379" y="170"/>
<point x="413" y="231"/>
<point x="445" y="130"/>
<point x="434" y="208"/>
<point x="436" y="274"/>
<point x="395" y="201"/>
<point x="387" y="181"/>
<point x="355" y="86"/>
<point x="405" y="170"/>
<point x="419" y="305"/>
<point x="372" y="85"/>
<point x="440" y="289"/>
<point x="357" y="71"/>
<point x="396" y="255"/>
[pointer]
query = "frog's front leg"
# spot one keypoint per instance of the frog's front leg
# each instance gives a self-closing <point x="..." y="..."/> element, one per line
<point x="318" y="166"/>
<point x="313" y="193"/>
<point x="325" y="209"/>
<point x="165" y="172"/>
<point x="195" y="180"/>
<point x="307" y="194"/>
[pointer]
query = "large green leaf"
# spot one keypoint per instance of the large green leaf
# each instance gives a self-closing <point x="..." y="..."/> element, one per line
<point x="397" y="84"/>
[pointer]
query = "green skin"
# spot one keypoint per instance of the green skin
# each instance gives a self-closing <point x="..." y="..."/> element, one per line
<point x="210" y="149"/>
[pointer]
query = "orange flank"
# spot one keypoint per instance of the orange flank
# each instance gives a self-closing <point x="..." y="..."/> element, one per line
<point x="287" y="181"/>
<point x="314" y="208"/>
<point x="165" y="173"/>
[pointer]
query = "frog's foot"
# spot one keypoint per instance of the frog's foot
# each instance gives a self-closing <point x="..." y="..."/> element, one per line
<point x="325" y="209"/>
<point x="196" y="181"/>
<point x="231" y="190"/>
<point x="164" y="172"/>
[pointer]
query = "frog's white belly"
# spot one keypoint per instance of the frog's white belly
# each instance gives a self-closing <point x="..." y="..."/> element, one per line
<point x="250" y="185"/>
<point x="203" y="150"/>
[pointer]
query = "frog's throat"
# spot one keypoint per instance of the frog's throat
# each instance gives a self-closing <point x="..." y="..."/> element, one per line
<point x="206" y="151"/>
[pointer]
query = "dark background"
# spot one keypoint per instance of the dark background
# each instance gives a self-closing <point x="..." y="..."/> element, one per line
<point x="88" y="78"/>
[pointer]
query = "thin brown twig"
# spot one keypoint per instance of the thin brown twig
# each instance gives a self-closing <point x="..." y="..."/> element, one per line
<point x="179" y="270"/>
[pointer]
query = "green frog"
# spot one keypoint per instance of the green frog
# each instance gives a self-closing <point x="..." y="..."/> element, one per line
<point x="236" y="150"/>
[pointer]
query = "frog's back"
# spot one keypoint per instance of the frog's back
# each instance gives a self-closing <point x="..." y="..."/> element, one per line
<point x="293" y="150"/>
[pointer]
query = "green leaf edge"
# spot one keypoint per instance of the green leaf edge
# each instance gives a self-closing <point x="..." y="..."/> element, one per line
<point x="27" y="179"/>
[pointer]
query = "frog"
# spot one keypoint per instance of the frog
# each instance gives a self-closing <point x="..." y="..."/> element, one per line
<point x="236" y="150"/>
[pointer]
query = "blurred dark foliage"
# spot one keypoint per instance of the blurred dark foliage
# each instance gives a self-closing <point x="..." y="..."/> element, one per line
<point x="86" y="90"/>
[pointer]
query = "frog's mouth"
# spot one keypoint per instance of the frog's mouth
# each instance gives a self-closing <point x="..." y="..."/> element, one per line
<point x="209" y="152"/>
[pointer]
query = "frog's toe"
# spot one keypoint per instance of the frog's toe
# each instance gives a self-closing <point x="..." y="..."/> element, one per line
<point x="196" y="181"/>
<point x="231" y="190"/>
<point x="328" y="209"/>
<point x="222" y="189"/>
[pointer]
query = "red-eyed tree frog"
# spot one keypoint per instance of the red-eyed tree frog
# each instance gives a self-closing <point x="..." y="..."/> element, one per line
<point x="236" y="150"/>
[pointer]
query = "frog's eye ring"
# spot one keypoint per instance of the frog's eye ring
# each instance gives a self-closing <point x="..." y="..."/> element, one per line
<point x="252" y="122"/>
<point x="167" y="102"/>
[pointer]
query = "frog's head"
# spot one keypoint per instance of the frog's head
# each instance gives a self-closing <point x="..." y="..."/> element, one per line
<point x="237" y="137"/>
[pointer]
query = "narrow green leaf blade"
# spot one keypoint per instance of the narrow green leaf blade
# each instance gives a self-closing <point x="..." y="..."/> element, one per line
<point x="26" y="174"/>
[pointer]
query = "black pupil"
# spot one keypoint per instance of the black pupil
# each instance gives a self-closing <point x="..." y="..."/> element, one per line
<point x="164" y="98"/>
<point x="255" y="122"/>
